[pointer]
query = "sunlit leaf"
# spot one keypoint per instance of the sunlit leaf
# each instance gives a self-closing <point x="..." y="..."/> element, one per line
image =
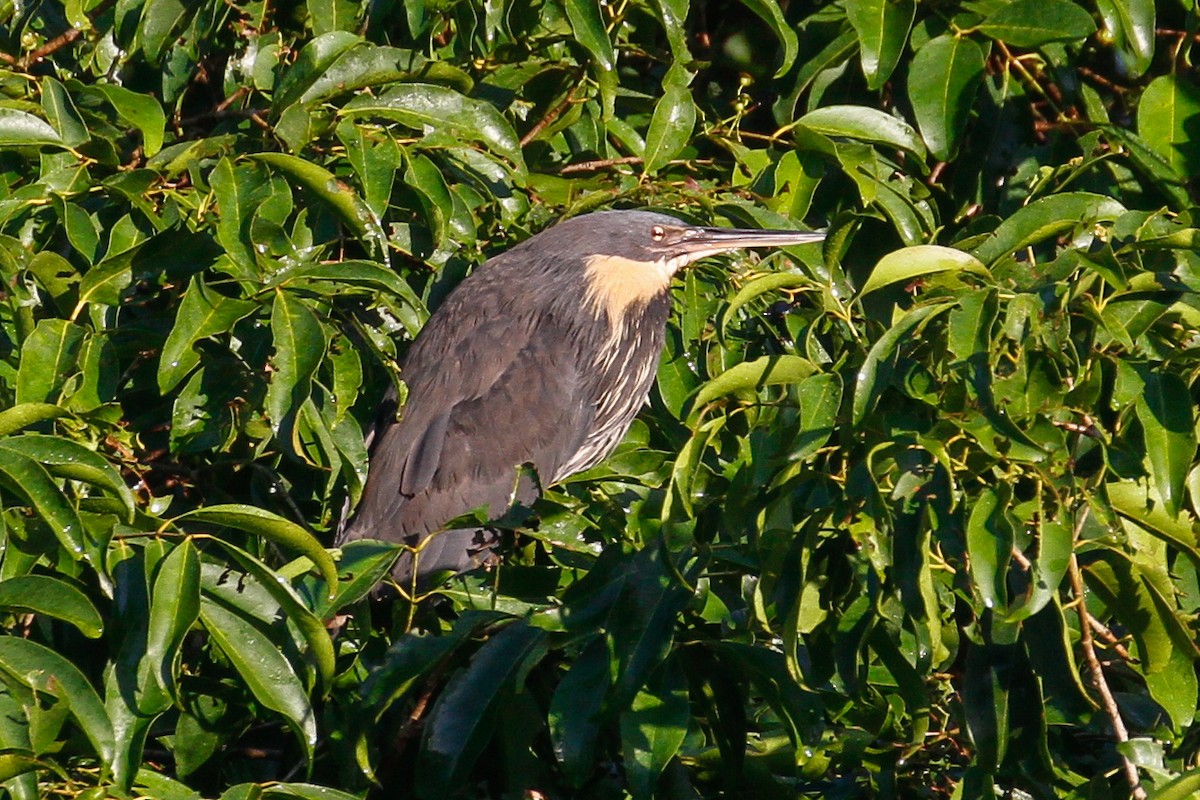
<point x="942" y="84"/>
<point x="1033" y="23"/>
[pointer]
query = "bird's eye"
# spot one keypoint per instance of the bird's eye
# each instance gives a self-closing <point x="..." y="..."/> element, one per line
<point x="657" y="233"/>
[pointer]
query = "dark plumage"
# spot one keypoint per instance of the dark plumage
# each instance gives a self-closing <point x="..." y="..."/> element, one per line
<point x="542" y="356"/>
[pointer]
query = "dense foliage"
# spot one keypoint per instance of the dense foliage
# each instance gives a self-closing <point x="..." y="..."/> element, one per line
<point x="910" y="515"/>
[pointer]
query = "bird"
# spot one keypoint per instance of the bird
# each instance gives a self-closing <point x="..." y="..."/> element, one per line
<point x="540" y="358"/>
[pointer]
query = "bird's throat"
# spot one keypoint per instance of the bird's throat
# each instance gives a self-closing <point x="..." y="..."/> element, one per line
<point x="617" y="287"/>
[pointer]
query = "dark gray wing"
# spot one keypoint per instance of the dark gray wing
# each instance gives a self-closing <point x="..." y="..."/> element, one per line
<point x="481" y="403"/>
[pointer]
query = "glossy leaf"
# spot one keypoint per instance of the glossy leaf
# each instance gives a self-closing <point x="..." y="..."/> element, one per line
<point x="270" y="526"/>
<point x="876" y="369"/>
<point x="42" y="594"/>
<point x="334" y="193"/>
<point x="671" y="126"/>
<point x="22" y="129"/>
<point x="174" y="609"/>
<point x="420" y="106"/>
<point x="40" y="668"/>
<point x="65" y="458"/>
<point x="945" y="76"/>
<point x="264" y="670"/>
<point x="1131" y="23"/>
<point x="140" y="111"/>
<point x="866" y="125"/>
<point x="916" y="262"/>
<point x="752" y="375"/>
<point x="202" y="314"/>
<point x="1165" y="411"/>
<point x="47" y="357"/>
<point x="300" y="345"/>
<point x="882" y="27"/>
<point x="1167" y="114"/>
<point x="1047" y="217"/>
<point x="31" y="482"/>
<point x="654" y="727"/>
<point x="1033" y="23"/>
<point x="771" y="14"/>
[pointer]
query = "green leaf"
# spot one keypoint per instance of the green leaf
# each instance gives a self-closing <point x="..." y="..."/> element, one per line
<point x="865" y="125"/>
<point x="48" y="358"/>
<point x="820" y="398"/>
<point x="771" y="13"/>
<point x="753" y="375"/>
<point x="20" y="129"/>
<point x="574" y="715"/>
<point x="465" y="715"/>
<point x="1167" y="116"/>
<point x="1131" y="24"/>
<point x="107" y="281"/>
<point x="300" y="346"/>
<point x="942" y="85"/>
<point x="915" y="262"/>
<point x="270" y="526"/>
<point x="40" y="668"/>
<point x="54" y="597"/>
<point x="238" y="192"/>
<point x="174" y="609"/>
<point x="22" y="416"/>
<point x="264" y="669"/>
<point x="1055" y="545"/>
<point x="320" y="646"/>
<point x="366" y="274"/>
<point x="305" y="791"/>
<point x="1046" y="218"/>
<point x="424" y="105"/>
<point x="1135" y="503"/>
<point x="759" y="286"/>
<point x="60" y="110"/>
<point x="315" y="64"/>
<point x="882" y="27"/>
<point x="1165" y="410"/>
<point x="68" y="459"/>
<point x="654" y="727"/>
<point x="142" y="111"/>
<point x="1183" y="787"/>
<point x="203" y="313"/>
<point x="670" y="127"/>
<point x="30" y="481"/>
<point x="587" y="24"/>
<point x="876" y="370"/>
<point x="1033" y="23"/>
<point x="343" y="200"/>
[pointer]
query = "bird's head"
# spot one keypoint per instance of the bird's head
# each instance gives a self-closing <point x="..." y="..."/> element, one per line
<point x="629" y="257"/>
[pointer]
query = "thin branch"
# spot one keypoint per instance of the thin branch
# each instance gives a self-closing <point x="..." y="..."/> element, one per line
<point x="550" y="116"/>
<point x="1110" y="638"/>
<point x="57" y="43"/>
<point x="1096" y="671"/>
<point x="604" y="163"/>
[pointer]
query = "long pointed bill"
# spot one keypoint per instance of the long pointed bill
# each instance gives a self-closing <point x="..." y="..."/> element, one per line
<point x="696" y="243"/>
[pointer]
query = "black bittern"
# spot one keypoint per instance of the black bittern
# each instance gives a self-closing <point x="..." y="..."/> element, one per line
<point x="542" y="358"/>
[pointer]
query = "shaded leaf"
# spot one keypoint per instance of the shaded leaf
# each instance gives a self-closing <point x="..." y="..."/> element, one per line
<point x="43" y="594"/>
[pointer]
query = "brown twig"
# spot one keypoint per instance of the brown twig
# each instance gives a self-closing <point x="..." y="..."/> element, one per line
<point x="57" y="43"/>
<point x="550" y="116"/>
<point x="1110" y="638"/>
<point x="603" y="163"/>
<point x="1096" y="671"/>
